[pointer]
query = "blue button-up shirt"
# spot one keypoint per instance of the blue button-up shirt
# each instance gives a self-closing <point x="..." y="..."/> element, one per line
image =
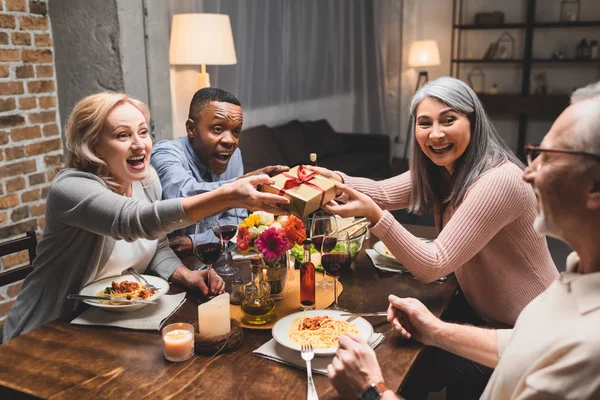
<point x="182" y="174"/>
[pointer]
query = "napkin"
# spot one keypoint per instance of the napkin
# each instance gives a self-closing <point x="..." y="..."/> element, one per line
<point x="276" y="352"/>
<point x="149" y="318"/>
<point x="384" y="264"/>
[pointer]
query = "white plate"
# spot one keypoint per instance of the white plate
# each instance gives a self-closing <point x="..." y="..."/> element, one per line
<point x="93" y="288"/>
<point x="281" y="329"/>
<point x="380" y="248"/>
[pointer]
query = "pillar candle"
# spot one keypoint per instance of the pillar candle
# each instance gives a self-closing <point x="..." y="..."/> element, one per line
<point x="214" y="317"/>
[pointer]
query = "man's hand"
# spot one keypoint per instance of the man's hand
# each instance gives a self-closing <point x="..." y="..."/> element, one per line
<point x="181" y="243"/>
<point x="358" y="204"/>
<point x="411" y="318"/>
<point x="207" y="281"/>
<point x="354" y="367"/>
<point x="270" y="170"/>
<point x="242" y="193"/>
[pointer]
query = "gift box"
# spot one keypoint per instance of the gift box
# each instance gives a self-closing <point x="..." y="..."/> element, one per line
<point x="307" y="190"/>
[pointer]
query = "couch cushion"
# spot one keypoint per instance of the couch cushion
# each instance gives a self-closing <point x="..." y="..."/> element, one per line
<point x="361" y="164"/>
<point x="323" y="139"/>
<point x="258" y="148"/>
<point x="290" y="139"/>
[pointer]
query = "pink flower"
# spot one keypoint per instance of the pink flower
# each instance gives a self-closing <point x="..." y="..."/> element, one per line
<point x="272" y="244"/>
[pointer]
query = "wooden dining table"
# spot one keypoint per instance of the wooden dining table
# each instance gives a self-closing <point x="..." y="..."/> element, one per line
<point x="64" y="361"/>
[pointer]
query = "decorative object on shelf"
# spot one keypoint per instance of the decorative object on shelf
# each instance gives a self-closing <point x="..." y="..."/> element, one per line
<point x="583" y="50"/>
<point x="491" y="51"/>
<point x="558" y="55"/>
<point x="505" y="46"/>
<point x="594" y="50"/>
<point x="489" y="18"/>
<point x="258" y="306"/>
<point x="423" y="53"/>
<point x="569" y="10"/>
<point x="494" y="89"/>
<point x="541" y="83"/>
<point x="476" y="80"/>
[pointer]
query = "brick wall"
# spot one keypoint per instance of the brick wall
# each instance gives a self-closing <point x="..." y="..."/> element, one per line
<point x="31" y="147"/>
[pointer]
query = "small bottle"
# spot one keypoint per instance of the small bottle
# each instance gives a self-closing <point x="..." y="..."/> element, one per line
<point x="581" y="49"/>
<point x="313" y="159"/>
<point x="594" y="54"/>
<point x="307" y="279"/>
<point x="237" y="291"/>
<point x="494" y="89"/>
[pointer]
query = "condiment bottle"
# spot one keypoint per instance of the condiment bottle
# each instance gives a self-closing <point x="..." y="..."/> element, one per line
<point x="307" y="279"/>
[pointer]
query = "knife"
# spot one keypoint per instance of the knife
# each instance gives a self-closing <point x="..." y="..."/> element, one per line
<point x="372" y="314"/>
<point x="102" y="298"/>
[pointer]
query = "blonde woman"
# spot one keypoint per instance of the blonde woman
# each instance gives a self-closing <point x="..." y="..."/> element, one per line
<point x="104" y="213"/>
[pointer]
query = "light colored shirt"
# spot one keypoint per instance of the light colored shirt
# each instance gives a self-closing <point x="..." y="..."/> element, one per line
<point x="553" y="352"/>
<point x="136" y="254"/>
<point x="182" y="174"/>
<point x="488" y="241"/>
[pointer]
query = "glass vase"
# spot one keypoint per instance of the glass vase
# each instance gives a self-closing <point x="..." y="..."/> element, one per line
<point x="258" y="307"/>
<point x="275" y="273"/>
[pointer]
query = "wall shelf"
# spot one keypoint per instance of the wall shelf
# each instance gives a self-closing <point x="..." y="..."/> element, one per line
<point x="491" y="61"/>
<point x="523" y="25"/>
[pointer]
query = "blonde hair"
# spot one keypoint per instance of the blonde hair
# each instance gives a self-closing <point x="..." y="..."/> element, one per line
<point x="84" y="127"/>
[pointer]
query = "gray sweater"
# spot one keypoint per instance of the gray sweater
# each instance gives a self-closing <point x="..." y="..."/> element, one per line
<point x="83" y="220"/>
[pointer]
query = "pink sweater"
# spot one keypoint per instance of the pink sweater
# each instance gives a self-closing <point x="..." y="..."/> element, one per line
<point x="488" y="241"/>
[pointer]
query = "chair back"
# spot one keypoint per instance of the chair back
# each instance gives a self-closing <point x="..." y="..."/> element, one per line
<point x="29" y="243"/>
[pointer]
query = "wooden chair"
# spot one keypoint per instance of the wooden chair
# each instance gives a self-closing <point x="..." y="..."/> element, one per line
<point x="29" y="243"/>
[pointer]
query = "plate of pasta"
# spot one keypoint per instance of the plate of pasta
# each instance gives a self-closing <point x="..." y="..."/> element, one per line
<point x="321" y="328"/>
<point x="124" y="286"/>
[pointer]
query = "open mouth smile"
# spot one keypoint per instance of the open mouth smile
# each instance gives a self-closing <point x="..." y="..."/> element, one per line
<point x="137" y="162"/>
<point x="223" y="156"/>
<point x="441" y="149"/>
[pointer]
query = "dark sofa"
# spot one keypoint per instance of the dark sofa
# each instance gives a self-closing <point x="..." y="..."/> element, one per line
<point x="366" y="155"/>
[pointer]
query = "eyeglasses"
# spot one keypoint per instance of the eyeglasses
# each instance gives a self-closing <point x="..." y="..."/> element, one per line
<point x="532" y="151"/>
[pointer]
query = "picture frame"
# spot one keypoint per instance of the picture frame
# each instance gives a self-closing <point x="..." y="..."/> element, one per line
<point x="505" y="47"/>
<point x="569" y="10"/>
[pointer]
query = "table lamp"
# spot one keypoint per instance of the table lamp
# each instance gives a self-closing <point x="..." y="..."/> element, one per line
<point x="201" y="39"/>
<point x="423" y="53"/>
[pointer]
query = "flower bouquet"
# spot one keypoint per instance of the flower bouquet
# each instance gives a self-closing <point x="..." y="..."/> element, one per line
<point x="271" y="237"/>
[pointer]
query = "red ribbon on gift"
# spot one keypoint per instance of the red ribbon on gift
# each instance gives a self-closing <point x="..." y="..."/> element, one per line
<point x="303" y="178"/>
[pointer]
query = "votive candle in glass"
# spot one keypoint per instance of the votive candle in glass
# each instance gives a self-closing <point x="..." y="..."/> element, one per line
<point x="178" y="341"/>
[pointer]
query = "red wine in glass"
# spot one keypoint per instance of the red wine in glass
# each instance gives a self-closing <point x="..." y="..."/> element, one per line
<point x="208" y="253"/>
<point x="335" y="262"/>
<point x="225" y="232"/>
<point x="328" y="244"/>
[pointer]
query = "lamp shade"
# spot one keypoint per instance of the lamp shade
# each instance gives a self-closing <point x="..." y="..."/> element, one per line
<point x="424" y="53"/>
<point x="201" y="39"/>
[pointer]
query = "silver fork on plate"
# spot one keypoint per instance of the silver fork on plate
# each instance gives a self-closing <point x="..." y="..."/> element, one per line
<point x="141" y="279"/>
<point x="308" y="354"/>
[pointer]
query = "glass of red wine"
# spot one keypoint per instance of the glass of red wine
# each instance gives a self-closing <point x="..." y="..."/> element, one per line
<point x="207" y="246"/>
<point x="224" y="226"/>
<point x="322" y="229"/>
<point x="336" y="260"/>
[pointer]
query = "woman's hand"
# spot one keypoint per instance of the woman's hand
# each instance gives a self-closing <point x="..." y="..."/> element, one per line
<point x="243" y="193"/>
<point x="207" y="280"/>
<point x="358" y="204"/>
<point x="325" y="172"/>
<point x="411" y="319"/>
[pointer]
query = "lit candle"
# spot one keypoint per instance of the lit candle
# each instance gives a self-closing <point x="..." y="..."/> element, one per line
<point x="214" y="318"/>
<point x="178" y="342"/>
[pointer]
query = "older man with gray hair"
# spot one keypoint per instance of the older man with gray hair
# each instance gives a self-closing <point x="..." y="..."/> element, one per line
<point x="553" y="352"/>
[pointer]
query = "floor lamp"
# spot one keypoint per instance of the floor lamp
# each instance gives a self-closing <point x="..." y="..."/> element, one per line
<point x="201" y="39"/>
<point x="423" y="53"/>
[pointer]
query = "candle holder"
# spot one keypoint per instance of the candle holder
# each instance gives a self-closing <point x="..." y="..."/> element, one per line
<point x="178" y="341"/>
<point x="219" y="344"/>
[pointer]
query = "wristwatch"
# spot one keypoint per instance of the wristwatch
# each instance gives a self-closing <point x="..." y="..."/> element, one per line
<point x="374" y="391"/>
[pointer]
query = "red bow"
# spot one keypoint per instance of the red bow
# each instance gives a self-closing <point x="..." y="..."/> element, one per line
<point x="303" y="178"/>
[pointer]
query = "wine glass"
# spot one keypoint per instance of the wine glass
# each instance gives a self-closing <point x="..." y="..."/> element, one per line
<point x="207" y="246"/>
<point x="224" y="226"/>
<point x="336" y="260"/>
<point x="323" y="226"/>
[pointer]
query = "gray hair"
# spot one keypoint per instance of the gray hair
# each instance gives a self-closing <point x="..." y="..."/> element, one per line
<point x="485" y="150"/>
<point x="588" y="131"/>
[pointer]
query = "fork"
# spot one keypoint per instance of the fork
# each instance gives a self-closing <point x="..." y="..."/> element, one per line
<point x="308" y="354"/>
<point x="141" y="279"/>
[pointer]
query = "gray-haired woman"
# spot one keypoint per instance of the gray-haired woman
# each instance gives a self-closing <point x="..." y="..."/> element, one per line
<point x="461" y="170"/>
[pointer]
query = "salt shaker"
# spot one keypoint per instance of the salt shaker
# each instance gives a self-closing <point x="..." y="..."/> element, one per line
<point x="237" y="291"/>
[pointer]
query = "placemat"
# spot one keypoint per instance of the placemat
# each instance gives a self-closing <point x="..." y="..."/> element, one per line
<point x="291" y="301"/>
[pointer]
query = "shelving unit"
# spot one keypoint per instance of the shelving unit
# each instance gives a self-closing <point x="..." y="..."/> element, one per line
<point x="523" y="105"/>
